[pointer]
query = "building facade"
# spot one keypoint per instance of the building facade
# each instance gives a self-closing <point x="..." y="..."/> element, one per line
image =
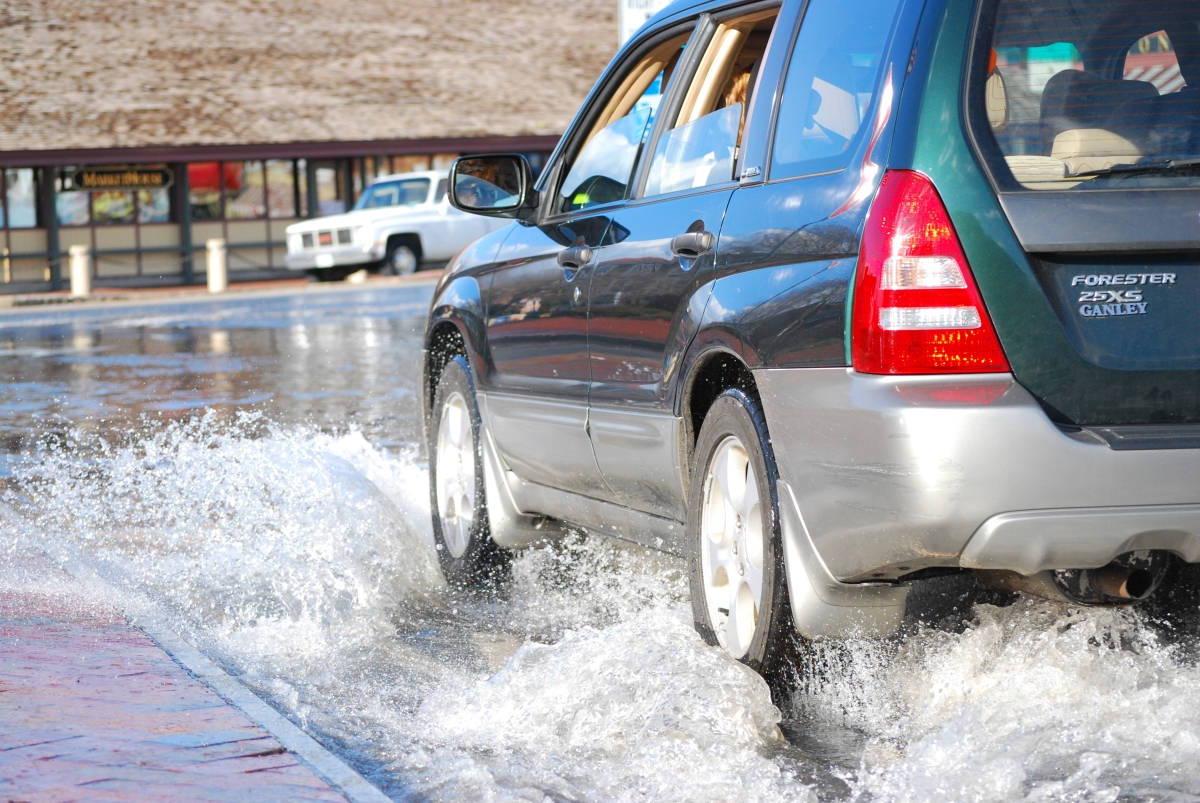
<point x="233" y="121"/>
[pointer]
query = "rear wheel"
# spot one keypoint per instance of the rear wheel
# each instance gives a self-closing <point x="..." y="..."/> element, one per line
<point x="334" y="274"/>
<point x="739" y="592"/>
<point x="401" y="260"/>
<point x="467" y="554"/>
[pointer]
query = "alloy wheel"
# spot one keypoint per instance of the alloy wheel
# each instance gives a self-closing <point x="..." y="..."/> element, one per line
<point x="456" y="474"/>
<point x="732" y="546"/>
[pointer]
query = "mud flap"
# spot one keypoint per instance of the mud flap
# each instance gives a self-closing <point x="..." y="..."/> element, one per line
<point x="821" y="606"/>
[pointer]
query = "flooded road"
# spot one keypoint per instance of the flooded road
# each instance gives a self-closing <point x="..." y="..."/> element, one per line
<point x="252" y="469"/>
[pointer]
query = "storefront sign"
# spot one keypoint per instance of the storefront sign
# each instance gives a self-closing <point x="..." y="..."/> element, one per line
<point x="121" y="178"/>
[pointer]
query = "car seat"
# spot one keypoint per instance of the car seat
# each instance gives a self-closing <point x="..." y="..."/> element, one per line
<point x="1077" y="99"/>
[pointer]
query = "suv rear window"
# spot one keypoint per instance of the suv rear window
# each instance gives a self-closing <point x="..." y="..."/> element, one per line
<point x="1090" y="95"/>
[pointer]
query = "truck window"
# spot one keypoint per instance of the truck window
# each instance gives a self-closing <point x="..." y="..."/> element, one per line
<point x="409" y="192"/>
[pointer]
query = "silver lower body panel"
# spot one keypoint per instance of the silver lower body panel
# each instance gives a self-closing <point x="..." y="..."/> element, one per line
<point x="528" y="444"/>
<point x="896" y="474"/>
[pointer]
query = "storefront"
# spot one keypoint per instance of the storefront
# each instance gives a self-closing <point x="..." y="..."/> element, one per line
<point x="145" y="222"/>
<point x="142" y="130"/>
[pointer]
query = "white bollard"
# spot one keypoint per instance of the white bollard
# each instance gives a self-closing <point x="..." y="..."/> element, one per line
<point x="218" y="273"/>
<point x="81" y="270"/>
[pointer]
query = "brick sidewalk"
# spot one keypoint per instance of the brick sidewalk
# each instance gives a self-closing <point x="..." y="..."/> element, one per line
<point x="92" y="710"/>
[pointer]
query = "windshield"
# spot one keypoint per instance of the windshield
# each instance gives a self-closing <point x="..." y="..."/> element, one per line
<point x="1089" y="95"/>
<point x="409" y="192"/>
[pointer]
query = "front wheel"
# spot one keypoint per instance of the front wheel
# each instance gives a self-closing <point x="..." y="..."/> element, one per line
<point x="738" y="587"/>
<point x="465" y="549"/>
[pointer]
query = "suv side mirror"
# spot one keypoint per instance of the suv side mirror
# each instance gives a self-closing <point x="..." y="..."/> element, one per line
<point x="496" y="185"/>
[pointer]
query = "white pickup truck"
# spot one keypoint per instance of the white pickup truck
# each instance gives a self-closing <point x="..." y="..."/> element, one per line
<point x="399" y="222"/>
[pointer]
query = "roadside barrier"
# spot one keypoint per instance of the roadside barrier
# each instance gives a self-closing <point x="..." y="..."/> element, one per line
<point x="218" y="273"/>
<point x="81" y="270"/>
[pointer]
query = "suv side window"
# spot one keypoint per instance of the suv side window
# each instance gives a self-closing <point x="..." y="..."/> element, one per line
<point x="602" y="168"/>
<point x="832" y="79"/>
<point x="701" y="146"/>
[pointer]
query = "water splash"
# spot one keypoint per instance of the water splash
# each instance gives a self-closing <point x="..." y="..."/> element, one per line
<point x="303" y="561"/>
<point x="1037" y="702"/>
<point x="235" y="522"/>
<point x="642" y="710"/>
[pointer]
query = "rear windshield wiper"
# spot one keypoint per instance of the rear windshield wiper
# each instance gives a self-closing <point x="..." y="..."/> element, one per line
<point x="1164" y="166"/>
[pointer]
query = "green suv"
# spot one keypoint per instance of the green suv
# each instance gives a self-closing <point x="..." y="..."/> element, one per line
<point x="835" y="296"/>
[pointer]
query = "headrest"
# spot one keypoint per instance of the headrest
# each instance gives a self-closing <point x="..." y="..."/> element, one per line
<point x="1093" y="149"/>
<point x="1085" y="96"/>
<point x="995" y="96"/>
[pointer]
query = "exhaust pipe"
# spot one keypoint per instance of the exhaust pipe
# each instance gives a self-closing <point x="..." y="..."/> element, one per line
<point x="1130" y="578"/>
<point x="1124" y="582"/>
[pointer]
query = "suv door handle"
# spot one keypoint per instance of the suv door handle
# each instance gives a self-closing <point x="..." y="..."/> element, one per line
<point x="575" y="257"/>
<point x="693" y="243"/>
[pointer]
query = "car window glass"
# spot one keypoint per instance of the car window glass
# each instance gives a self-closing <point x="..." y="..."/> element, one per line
<point x="1152" y="59"/>
<point x="601" y="170"/>
<point x="833" y="76"/>
<point x="440" y="195"/>
<point x="394" y="193"/>
<point x="701" y="147"/>
<point x="1075" y="89"/>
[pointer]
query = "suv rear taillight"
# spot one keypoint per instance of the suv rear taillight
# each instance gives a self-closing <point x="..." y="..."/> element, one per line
<point x="916" y="307"/>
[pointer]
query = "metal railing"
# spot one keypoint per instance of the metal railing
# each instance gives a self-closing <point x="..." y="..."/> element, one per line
<point x="8" y="257"/>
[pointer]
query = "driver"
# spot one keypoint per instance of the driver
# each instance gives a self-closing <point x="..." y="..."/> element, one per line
<point x="475" y="192"/>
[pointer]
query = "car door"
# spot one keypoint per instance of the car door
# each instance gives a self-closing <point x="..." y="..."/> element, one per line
<point x="538" y="379"/>
<point x="658" y="253"/>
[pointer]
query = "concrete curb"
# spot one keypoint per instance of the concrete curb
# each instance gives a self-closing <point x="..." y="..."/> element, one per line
<point x="323" y="763"/>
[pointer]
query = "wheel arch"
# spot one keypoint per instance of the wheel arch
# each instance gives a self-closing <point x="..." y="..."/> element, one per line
<point x="455" y="328"/>
<point x="711" y="373"/>
<point x="410" y="238"/>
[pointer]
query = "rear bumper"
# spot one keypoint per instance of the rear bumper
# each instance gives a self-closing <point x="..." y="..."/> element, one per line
<point x="333" y="257"/>
<point x="896" y="474"/>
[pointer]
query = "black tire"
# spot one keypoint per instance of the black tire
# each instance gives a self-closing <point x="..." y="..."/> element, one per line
<point x="736" y="414"/>
<point x="401" y="260"/>
<point x="335" y="274"/>
<point x="479" y="562"/>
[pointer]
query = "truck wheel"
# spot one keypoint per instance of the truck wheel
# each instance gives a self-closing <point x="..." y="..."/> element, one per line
<point x="322" y="275"/>
<point x="401" y="260"/>
<point x="458" y="501"/>
<point x="735" y="554"/>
